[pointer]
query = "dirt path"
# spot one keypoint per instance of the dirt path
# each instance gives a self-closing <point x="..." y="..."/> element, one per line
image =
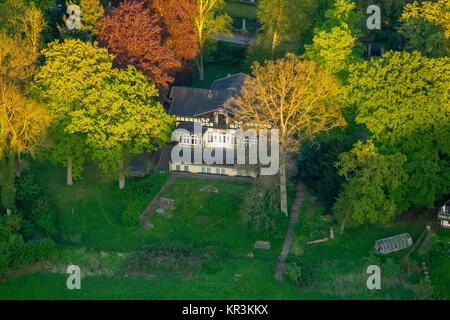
<point x="145" y="216"/>
<point x="290" y="233"/>
<point x="425" y="243"/>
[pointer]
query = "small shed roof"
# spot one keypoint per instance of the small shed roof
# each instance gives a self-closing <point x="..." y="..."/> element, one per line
<point x="444" y="211"/>
<point x="395" y="243"/>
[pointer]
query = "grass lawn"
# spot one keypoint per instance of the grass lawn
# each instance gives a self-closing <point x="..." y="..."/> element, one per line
<point x="340" y="265"/>
<point x="206" y="225"/>
<point x="241" y="10"/>
<point x="196" y="248"/>
<point x="438" y="261"/>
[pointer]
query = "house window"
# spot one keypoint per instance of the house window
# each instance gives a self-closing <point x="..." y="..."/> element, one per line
<point x="208" y="170"/>
<point x="203" y="170"/>
<point x="218" y="171"/>
<point x="222" y="137"/>
<point x="186" y="168"/>
<point x="194" y="138"/>
<point x="222" y="171"/>
<point x="186" y="139"/>
<point x="239" y="173"/>
<point x="210" y="137"/>
<point x="177" y="167"/>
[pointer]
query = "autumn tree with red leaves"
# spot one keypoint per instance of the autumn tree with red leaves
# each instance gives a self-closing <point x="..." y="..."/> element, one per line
<point x="178" y="17"/>
<point x="134" y="34"/>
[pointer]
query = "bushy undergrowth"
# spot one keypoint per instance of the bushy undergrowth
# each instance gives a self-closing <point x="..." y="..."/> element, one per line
<point x="27" y="235"/>
<point x="172" y="258"/>
<point x="138" y="194"/>
<point x="301" y="273"/>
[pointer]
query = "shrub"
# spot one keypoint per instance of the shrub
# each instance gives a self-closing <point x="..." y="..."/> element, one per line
<point x="301" y="272"/>
<point x="39" y="250"/>
<point x="131" y="215"/>
<point x="172" y="257"/>
<point x="297" y="246"/>
<point x="138" y="195"/>
<point x="260" y="207"/>
<point x="27" y="192"/>
<point x="45" y="223"/>
<point x="293" y="272"/>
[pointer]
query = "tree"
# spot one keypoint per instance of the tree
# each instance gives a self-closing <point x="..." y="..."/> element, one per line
<point x="403" y="100"/>
<point x="283" y="20"/>
<point x="22" y="124"/>
<point x="332" y="50"/>
<point x="121" y="118"/>
<point x="208" y="22"/>
<point x="372" y="183"/>
<point x="260" y="207"/>
<point x="387" y="38"/>
<point x="20" y="37"/>
<point x="427" y="27"/>
<point x="32" y="26"/>
<point x="178" y="17"/>
<point x="141" y="45"/>
<point x="91" y="11"/>
<point x="22" y="21"/>
<point x="296" y="97"/>
<point x="16" y="59"/>
<point x="334" y="44"/>
<point x="436" y="12"/>
<point x="318" y="156"/>
<point x="425" y="36"/>
<point x="71" y="69"/>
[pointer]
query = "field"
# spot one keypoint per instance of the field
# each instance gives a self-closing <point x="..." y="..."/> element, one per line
<point x="240" y="10"/>
<point x="196" y="248"/>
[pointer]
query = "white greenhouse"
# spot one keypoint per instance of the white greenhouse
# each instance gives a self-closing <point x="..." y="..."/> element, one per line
<point x="392" y="244"/>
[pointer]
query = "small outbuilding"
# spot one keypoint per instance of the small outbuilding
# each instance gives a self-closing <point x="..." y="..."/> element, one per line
<point x="138" y="169"/>
<point x="392" y="244"/>
<point x="444" y="215"/>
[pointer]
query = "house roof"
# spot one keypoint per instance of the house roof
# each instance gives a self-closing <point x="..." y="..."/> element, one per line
<point x="193" y="102"/>
<point x="233" y="82"/>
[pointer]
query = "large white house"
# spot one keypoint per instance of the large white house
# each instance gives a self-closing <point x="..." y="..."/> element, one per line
<point x="206" y="107"/>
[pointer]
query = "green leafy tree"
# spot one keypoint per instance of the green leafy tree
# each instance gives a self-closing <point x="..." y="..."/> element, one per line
<point x="209" y="21"/>
<point x="121" y="118"/>
<point x="373" y="179"/>
<point x="425" y="36"/>
<point x="283" y="21"/>
<point x="437" y="12"/>
<point x="427" y="27"/>
<point x="91" y="12"/>
<point x="71" y="70"/>
<point x="332" y="50"/>
<point x="387" y="38"/>
<point x="334" y="44"/>
<point x="403" y="100"/>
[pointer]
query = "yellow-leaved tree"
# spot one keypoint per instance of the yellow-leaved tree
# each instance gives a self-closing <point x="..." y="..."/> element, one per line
<point x="296" y="97"/>
<point x="436" y="12"/>
<point x="23" y="123"/>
